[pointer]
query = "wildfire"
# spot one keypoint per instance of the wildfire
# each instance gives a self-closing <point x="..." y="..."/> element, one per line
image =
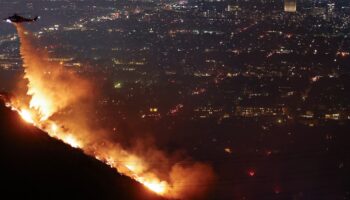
<point x="26" y="116"/>
<point x="154" y="185"/>
<point x="54" y="128"/>
<point x="133" y="164"/>
<point x="51" y="93"/>
<point x="39" y="103"/>
<point x="72" y="141"/>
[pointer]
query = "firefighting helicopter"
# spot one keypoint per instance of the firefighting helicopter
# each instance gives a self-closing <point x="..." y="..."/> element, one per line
<point x="19" y="19"/>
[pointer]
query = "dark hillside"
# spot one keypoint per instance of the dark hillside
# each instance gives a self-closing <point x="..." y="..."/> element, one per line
<point x="35" y="166"/>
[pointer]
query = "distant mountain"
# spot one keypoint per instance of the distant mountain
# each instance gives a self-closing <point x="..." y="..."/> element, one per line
<point x="35" y="166"/>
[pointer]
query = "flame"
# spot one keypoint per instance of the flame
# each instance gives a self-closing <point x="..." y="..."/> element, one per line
<point x="54" y="128"/>
<point x="72" y="141"/>
<point x="26" y="115"/>
<point x="39" y="103"/>
<point x="155" y="185"/>
<point x="53" y="90"/>
<point x="132" y="163"/>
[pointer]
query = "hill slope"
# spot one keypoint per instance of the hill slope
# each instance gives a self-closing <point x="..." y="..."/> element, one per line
<point x="35" y="166"/>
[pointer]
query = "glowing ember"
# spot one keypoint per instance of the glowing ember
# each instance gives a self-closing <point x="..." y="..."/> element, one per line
<point x="26" y="115"/>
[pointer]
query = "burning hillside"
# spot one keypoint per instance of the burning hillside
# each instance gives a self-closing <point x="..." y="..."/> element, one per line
<point x="56" y="100"/>
<point x="36" y="166"/>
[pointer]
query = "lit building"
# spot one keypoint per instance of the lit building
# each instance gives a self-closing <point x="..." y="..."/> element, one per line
<point x="290" y="5"/>
<point x="330" y="8"/>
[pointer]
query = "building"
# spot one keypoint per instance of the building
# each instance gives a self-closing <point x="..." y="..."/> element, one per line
<point x="290" y="5"/>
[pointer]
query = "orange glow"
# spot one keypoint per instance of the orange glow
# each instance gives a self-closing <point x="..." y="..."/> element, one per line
<point x="26" y="116"/>
<point x="54" y="128"/>
<point x="130" y="167"/>
<point x="134" y="164"/>
<point x="39" y="103"/>
<point x="156" y="186"/>
<point x="72" y="141"/>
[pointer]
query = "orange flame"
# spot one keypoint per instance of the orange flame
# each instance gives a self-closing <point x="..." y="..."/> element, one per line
<point x="26" y="115"/>
<point x="155" y="185"/>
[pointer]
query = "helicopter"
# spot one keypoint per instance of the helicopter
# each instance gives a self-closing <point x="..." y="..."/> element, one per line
<point x="19" y="19"/>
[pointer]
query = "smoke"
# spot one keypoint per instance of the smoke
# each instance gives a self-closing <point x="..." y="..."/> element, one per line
<point x="182" y="178"/>
<point x="51" y="86"/>
<point x="59" y="102"/>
